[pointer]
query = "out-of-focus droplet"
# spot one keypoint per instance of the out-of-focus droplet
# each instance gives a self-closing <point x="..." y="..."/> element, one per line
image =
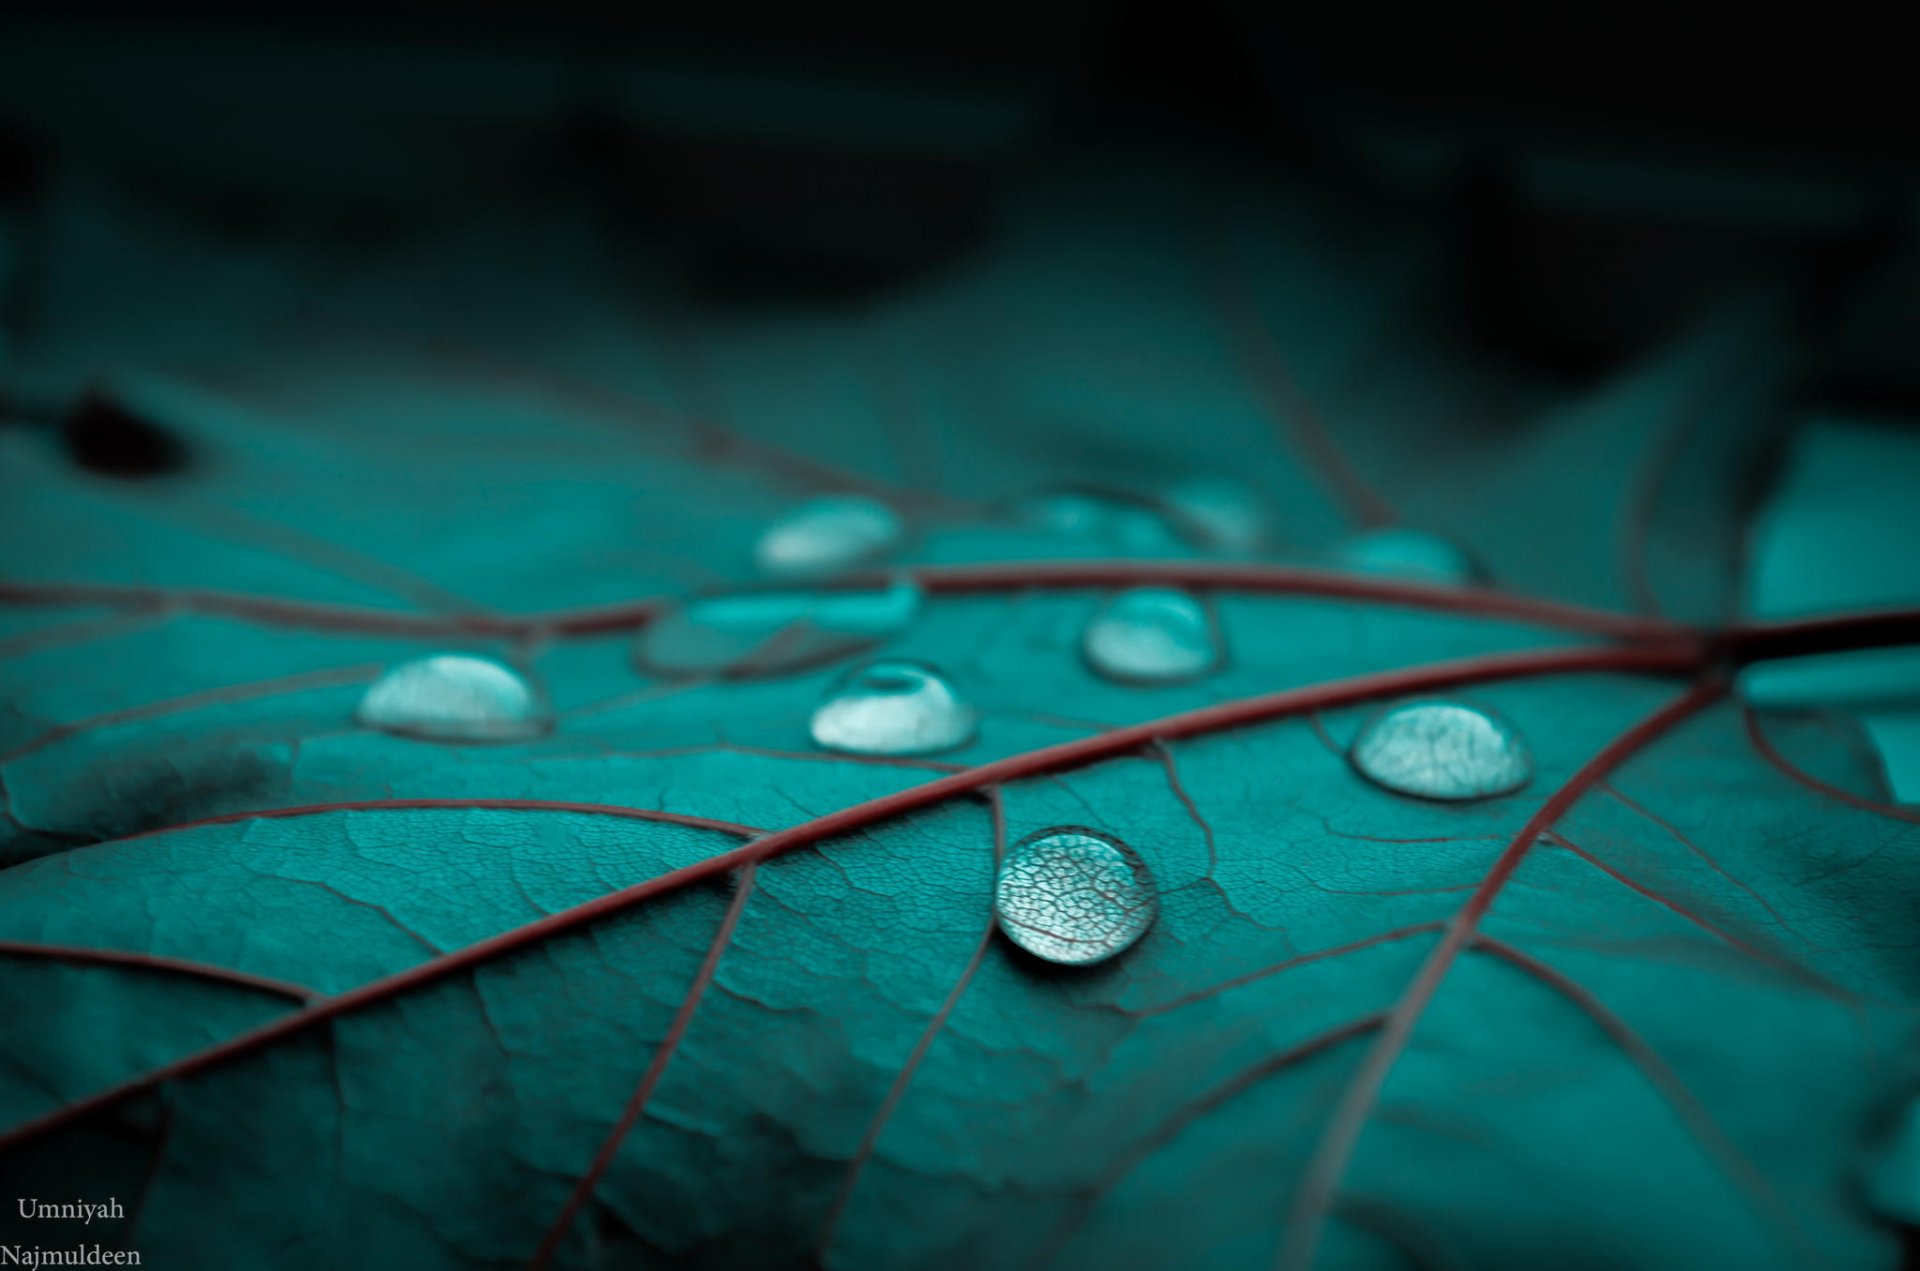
<point x="456" y="697"/>
<point x="1442" y="750"/>
<point x="1074" y="896"/>
<point x="1110" y="521"/>
<point x="1227" y="514"/>
<point x="771" y="633"/>
<point x="823" y="535"/>
<point x="1412" y="554"/>
<point x="893" y="708"/>
<point x="1152" y="635"/>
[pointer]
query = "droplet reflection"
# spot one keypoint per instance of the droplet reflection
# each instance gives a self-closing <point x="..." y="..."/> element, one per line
<point x="1074" y="896"/>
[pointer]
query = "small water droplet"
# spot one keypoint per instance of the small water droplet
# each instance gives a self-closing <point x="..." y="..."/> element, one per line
<point x="1415" y="554"/>
<point x="893" y="707"/>
<point x="826" y="534"/>
<point x="1112" y="520"/>
<point x="1152" y="635"/>
<point x="1074" y="896"/>
<point x="456" y="697"/>
<point x="1227" y="514"/>
<point x="770" y="633"/>
<point x="1442" y="750"/>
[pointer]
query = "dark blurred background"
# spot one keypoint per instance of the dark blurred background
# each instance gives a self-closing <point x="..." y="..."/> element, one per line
<point x="1608" y="168"/>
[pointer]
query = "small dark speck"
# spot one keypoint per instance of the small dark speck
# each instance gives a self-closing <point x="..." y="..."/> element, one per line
<point x="102" y="434"/>
<point x="23" y="166"/>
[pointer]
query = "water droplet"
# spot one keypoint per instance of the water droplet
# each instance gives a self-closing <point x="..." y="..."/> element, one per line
<point x="1152" y="635"/>
<point x="770" y="633"/>
<point x="455" y="697"/>
<point x="1111" y="520"/>
<point x="1442" y="750"/>
<point x="828" y="534"/>
<point x="1074" y="896"/>
<point x="1414" y="554"/>
<point x="1225" y="513"/>
<point x="893" y="708"/>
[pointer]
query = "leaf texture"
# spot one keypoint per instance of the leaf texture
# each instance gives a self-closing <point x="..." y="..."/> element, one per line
<point x="673" y="986"/>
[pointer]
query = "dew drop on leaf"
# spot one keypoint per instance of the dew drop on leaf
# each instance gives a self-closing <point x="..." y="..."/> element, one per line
<point x="1152" y="635"/>
<point x="893" y="707"/>
<point x="1442" y="750"/>
<point x="768" y="633"/>
<point x="1110" y="520"/>
<point x="1412" y="554"/>
<point x="826" y="534"/>
<point x="456" y="697"/>
<point x="1073" y="896"/>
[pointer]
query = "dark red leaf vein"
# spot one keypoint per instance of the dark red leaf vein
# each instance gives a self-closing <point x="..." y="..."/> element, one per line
<point x="1304" y="959"/>
<point x="226" y="695"/>
<point x="662" y="1056"/>
<point x="158" y="962"/>
<point x="1174" y="1125"/>
<point x="1767" y="751"/>
<point x="1059" y="757"/>
<point x="1704" y="856"/>
<point x="1663" y="1078"/>
<point x="1314" y="1198"/>
<point x="1165" y="756"/>
<point x="904" y="1078"/>
<point x="456" y="805"/>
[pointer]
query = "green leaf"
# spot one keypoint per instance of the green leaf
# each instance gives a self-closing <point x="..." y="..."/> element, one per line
<point x="673" y="985"/>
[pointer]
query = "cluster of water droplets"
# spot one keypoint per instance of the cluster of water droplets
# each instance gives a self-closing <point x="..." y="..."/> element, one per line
<point x="1068" y="895"/>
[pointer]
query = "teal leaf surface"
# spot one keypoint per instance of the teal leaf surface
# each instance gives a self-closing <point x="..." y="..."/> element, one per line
<point x="673" y="985"/>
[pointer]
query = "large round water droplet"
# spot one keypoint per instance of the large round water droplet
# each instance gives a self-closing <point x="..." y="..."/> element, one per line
<point x="1074" y="896"/>
<point x="770" y="633"/>
<point x="1110" y="520"/>
<point x="1442" y="750"/>
<point x="1152" y="635"/>
<point x="828" y="534"/>
<point x="893" y="708"/>
<point x="456" y="697"/>
<point x="1413" y="554"/>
